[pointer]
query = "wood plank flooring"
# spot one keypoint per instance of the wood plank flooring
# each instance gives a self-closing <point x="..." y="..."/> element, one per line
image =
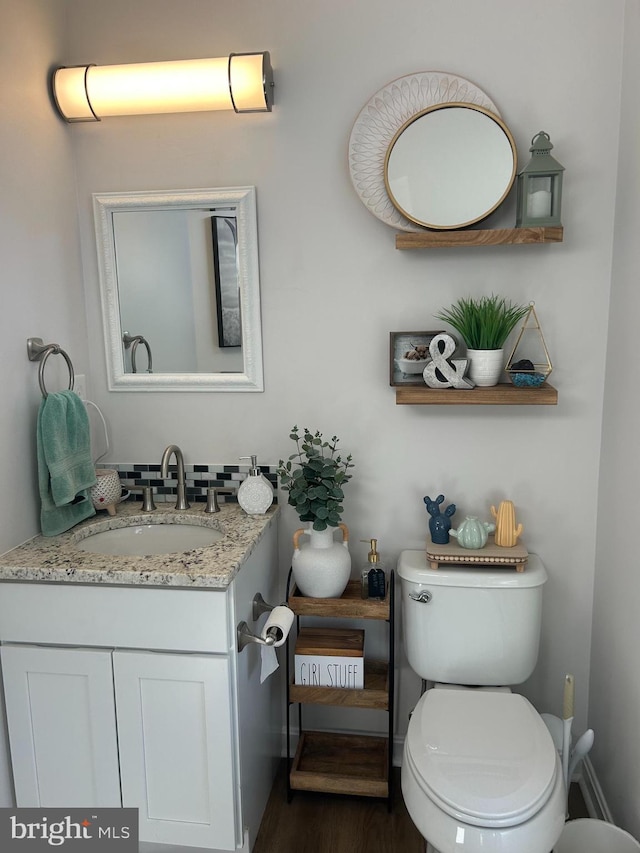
<point x="329" y="823"/>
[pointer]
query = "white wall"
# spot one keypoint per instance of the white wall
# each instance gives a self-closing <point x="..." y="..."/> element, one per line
<point x="614" y="700"/>
<point x="333" y="285"/>
<point x="41" y="276"/>
<point x="42" y="293"/>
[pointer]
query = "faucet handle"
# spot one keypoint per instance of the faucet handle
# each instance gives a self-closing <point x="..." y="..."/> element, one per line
<point x="147" y="498"/>
<point x="212" y="498"/>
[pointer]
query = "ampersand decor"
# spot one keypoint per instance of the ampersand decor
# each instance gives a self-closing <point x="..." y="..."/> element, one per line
<point x="444" y="371"/>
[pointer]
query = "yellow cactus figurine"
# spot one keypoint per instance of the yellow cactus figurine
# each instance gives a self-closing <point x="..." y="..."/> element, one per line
<point x="506" y="531"/>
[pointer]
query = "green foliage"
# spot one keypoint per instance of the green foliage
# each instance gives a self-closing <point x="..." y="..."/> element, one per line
<point x="314" y="477"/>
<point x="483" y="323"/>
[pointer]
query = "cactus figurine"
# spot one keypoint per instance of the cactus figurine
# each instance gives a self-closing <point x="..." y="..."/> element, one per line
<point x="439" y="524"/>
<point x="473" y="533"/>
<point x="506" y="531"/>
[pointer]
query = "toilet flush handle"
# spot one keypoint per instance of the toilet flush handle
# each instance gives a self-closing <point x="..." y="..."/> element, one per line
<point x="424" y="597"/>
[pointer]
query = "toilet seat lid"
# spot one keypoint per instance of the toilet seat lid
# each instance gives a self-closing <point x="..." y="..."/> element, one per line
<point x="484" y="757"/>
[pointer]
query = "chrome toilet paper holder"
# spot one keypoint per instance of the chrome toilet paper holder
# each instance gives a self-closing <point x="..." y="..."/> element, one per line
<point x="260" y="606"/>
<point x="245" y="635"/>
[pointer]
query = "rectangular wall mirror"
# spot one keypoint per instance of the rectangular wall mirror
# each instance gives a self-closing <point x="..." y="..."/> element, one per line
<point x="180" y="289"/>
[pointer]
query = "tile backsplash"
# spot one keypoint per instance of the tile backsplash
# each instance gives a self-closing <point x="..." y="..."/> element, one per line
<point x="198" y="479"/>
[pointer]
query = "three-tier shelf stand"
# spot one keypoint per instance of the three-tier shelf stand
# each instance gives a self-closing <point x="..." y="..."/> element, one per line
<point x="343" y="763"/>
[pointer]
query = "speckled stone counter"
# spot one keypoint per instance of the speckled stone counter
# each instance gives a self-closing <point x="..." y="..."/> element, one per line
<point x="57" y="559"/>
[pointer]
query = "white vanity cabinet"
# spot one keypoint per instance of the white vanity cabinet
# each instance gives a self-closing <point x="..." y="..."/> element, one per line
<point x="62" y="726"/>
<point x="172" y="751"/>
<point x="137" y="697"/>
<point x="176" y="746"/>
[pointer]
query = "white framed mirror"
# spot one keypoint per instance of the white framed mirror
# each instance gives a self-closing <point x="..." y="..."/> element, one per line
<point x="180" y="289"/>
<point x="450" y="165"/>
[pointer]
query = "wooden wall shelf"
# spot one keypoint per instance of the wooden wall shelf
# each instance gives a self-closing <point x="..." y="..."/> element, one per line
<point x="479" y="237"/>
<point x="498" y="395"/>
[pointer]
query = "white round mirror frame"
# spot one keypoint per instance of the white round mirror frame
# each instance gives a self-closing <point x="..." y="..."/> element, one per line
<point x="379" y="120"/>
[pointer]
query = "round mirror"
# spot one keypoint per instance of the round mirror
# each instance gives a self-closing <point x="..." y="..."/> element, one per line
<point x="450" y="166"/>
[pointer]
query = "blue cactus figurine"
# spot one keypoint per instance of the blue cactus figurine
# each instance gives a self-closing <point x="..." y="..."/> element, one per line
<point x="439" y="524"/>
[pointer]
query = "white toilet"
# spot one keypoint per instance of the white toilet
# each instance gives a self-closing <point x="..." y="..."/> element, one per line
<point x="480" y="772"/>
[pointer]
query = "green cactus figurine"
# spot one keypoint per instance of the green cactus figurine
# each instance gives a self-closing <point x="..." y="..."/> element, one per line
<point x="473" y="533"/>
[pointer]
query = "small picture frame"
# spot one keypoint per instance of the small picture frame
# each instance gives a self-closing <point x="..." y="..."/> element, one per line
<point x="399" y="344"/>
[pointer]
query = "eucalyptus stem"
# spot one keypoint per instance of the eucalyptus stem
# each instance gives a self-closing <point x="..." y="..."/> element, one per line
<point x="314" y="477"/>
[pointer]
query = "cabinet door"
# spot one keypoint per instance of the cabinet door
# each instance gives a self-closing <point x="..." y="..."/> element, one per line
<point x="61" y="721"/>
<point x="176" y="750"/>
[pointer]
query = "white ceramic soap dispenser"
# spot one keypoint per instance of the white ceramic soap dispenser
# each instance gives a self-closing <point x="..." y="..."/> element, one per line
<point x="255" y="494"/>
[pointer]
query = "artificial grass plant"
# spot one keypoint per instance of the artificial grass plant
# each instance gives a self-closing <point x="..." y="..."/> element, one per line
<point x="483" y="323"/>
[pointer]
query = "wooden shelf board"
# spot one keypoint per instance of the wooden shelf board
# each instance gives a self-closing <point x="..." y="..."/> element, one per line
<point x="375" y="693"/>
<point x="498" y="395"/>
<point x="351" y="605"/>
<point x="480" y="237"/>
<point x="341" y="764"/>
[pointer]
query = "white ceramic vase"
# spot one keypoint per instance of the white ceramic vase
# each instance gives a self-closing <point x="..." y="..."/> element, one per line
<point x="485" y="366"/>
<point x="322" y="566"/>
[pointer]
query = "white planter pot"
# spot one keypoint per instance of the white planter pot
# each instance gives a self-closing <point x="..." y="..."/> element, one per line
<point x="322" y="567"/>
<point x="485" y="366"/>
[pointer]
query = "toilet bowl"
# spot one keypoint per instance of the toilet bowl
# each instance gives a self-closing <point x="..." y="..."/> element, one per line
<point x="481" y="774"/>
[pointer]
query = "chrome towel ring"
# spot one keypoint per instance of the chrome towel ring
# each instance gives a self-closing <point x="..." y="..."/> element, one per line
<point x="38" y="351"/>
<point x="133" y="341"/>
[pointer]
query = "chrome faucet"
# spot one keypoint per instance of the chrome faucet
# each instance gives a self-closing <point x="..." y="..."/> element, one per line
<point x="181" y="502"/>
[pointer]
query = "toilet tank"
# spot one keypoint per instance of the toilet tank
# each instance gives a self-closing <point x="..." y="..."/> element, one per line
<point x="471" y="626"/>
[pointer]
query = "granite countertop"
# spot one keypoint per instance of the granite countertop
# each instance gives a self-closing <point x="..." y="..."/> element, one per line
<point x="57" y="559"/>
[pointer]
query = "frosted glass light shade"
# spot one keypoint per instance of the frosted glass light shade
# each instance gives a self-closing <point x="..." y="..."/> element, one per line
<point x="241" y="82"/>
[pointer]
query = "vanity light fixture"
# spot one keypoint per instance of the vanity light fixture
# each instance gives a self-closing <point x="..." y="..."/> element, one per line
<point x="539" y="186"/>
<point x="241" y="81"/>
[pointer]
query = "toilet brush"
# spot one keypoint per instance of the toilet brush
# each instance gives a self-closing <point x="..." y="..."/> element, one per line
<point x="567" y="722"/>
<point x="580" y="750"/>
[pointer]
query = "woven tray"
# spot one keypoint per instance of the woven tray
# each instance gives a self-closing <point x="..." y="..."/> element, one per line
<point x="491" y="556"/>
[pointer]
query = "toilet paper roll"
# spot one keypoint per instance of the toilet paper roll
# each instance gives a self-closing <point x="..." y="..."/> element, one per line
<point x="280" y="620"/>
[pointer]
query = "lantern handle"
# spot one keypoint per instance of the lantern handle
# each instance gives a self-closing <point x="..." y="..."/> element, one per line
<point x="540" y="133"/>
<point x="538" y="146"/>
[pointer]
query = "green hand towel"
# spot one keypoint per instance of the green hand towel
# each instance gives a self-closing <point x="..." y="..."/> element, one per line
<point x="65" y="468"/>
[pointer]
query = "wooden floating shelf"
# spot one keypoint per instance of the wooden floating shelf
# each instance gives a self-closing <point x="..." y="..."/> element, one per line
<point x="341" y="764"/>
<point x="480" y="237"/>
<point x="497" y="395"/>
<point x="351" y="605"/>
<point x="375" y="693"/>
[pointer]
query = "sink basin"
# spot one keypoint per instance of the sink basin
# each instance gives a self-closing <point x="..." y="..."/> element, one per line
<point x="143" y="540"/>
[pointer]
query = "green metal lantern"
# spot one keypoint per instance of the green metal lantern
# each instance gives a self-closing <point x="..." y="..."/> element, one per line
<point x="539" y="186"/>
